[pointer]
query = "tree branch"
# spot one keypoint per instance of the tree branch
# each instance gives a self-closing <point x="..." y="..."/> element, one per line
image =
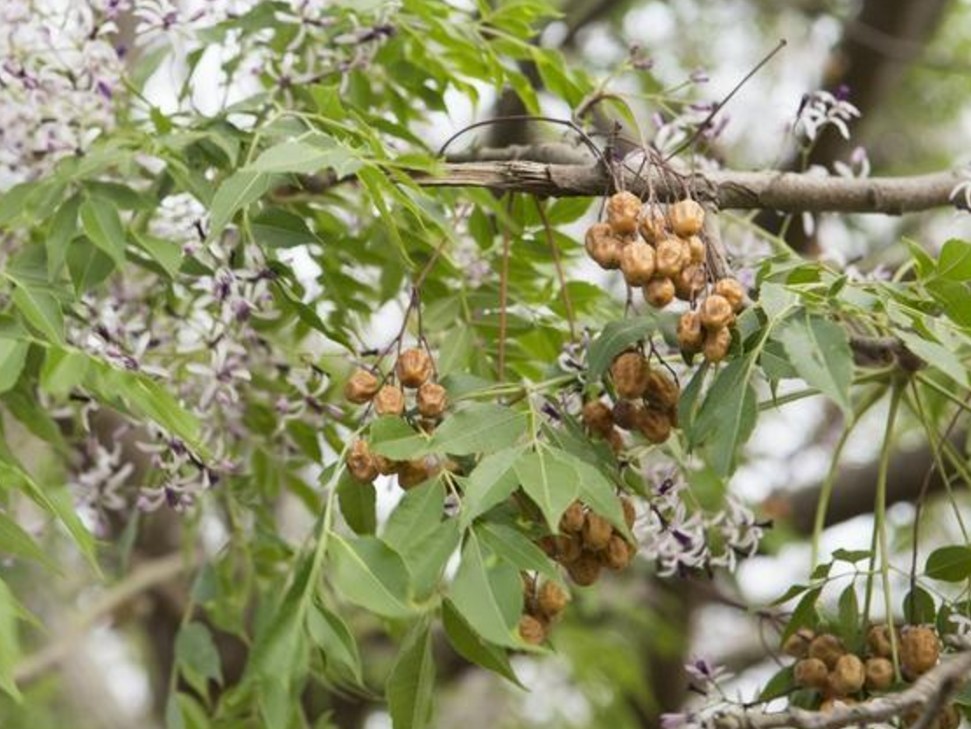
<point x="937" y="686"/>
<point x="782" y="191"/>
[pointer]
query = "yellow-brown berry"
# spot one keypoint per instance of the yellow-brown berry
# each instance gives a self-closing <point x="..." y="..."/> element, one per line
<point x="670" y="257"/>
<point x="697" y="252"/>
<point x="827" y="648"/>
<point x="596" y="416"/>
<point x="585" y="570"/>
<point x="655" y="425"/>
<point x="618" y="553"/>
<point x="551" y="599"/>
<point x="847" y="676"/>
<point x="661" y="392"/>
<point x="414" y="367"/>
<point x="716" y="345"/>
<point x="616" y="440"/>
<point x="687" y="217"/>
<point x="630" y="511"/>
<point x="360" y="387"/>
<point x="623" y="209"/>
<point x="797" y="644"/>
<point x="531" y="630"/>
<point x="733" y="292"/>
<point x="411" y="473"/>
<point x="573" y="518"/>
<point x="689" y="282"/>
<point x="654" y="224"/>
<point x="716" y="312"/>
<point x="637" y="263"/>
<point x="878" y="640"/>
<point x="596" y="532"/>
<point x="811" y="673"/>
<point x="390" y="400"/>
<point x="432" y="400"/>
<point x="919" y="650"/>
<point x="603" y="246"/>
<point x="361" y="462"/>
<point x="691" y="336"/>
<point x="625" y="413"/>
<point x="629" y="372"/>
<point x="659" y="292"/>
<point x="879" y="673"/>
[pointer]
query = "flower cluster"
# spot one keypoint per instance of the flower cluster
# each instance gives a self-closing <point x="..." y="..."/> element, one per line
<point x="821" y="109"/>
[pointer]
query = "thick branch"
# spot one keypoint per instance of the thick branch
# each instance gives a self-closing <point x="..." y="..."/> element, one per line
<point x="782" y="191"/>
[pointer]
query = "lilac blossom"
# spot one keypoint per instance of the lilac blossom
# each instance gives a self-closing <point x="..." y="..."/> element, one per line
<point x="821" y="109"/>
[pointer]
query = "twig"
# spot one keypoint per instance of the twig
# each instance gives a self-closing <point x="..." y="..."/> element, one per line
<point x="503" y="296"/>
<point x="143" y="578"/>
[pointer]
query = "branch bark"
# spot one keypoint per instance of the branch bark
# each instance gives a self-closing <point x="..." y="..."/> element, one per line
<point x="769" y="190"/>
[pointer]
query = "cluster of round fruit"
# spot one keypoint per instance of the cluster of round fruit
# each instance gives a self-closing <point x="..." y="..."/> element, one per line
<point x="825" y="665"/>
<point x="414" y="370"/>
<point x="666" y="260"/>
<point x="587" y="542"/>
<point x="542" y="604"/>
<point x="646" y="402"/>
<point x="707" y="330"/>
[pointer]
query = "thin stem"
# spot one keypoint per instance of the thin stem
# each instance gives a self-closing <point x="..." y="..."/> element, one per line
<point x="503" y="299"/>
<point x="555" y="251"/>
<point x="880" y="517"/>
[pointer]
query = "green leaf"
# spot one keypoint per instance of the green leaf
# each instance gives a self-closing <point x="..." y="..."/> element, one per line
<point x="804" y="615"/>
<point x="614" y="339"/>
<point x="41" y="310"/>
<point x="487" y="592"/>
<point x="63" y="370"/>
<point x="849" y="617"/>
<point x="164" y="252"/>
<point x="13" y="354"/>
<point x="411" y="684"/>
<point x="596" y="490"/>
<point x="357" y="502"/>
<point x="468" y="644"/>
<point x="278" y="228"/>
<point x="727" y="416"/>
<point x="236" y="192"/>
<point x="10" y="612"/>
<point x="198" y="657"/>
<point x="550" y="482"/>
<point x="303" y="157"/>
<point x="15" y="542"/>
<point x="392" y="437"/>
<point x="479" y="428"/>
<point x="851" y="555"/>
<point x="101" y="223"/>
<point x="779" y="685"/>
<point x="919" y="607"/>
<point x="427" y="556"/>
<point x="371" y="574"/>
<point x="949" y="564"/>
<point x="954" y="262"/>
<point x="819" y="350"/>
<point x="491" y="482"/>
<point x="335" y="640"/>
<point x="87" y="265"/>
<point x="511" y="545"/>
<point x="63" y="227"/>
<point x="418" y="514"/>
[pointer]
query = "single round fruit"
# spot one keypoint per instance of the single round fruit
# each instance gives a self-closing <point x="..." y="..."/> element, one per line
<point x="603" y="246"/>
<point x="390" y="400"/>
<point x="552" y="599"/>
<point x="567" y="548"/>
<point x="618" y="553"/>
<point x="361" y="462"/>
<point x="659" y="292"/>
<point x="670" y="257"/>
<point x="687" y="217"/>
<point x="733" y="292"/>
<point x="689" y="282"/>
<point x="573" y="518"/>
<point x="878" y="639"/>
<point x="630" y="373"/>
<point x="654" y="224"/>
<point x="585" y="570"/>
<point x="625" y="413"/>
<point x="432" y="400"/>
<point x="919" y="650"/>
<point x="879" y="673"/>
<point x="698" y="253"/>
<point x="597" y="417"/>
<point x="716" y="312"/>
<point x="622" y="211"/>
<point x="386" y="466"/>
<point x="827" y="648"/>
<point x="414" y="367"/>
<point x="797" y="644"/>
<point x="661" y="392"/>
<point x="716" y="345"/>
<point x="360" y="387"/>
<point x="630" y="511"/>
<point x="691" y="336"/>
<point x="531" y="630"/>
<point x="654" y="425"/>
<point x="811" y="673"/>
<point x="637" y="263"/>
<point x="411" y="473"/>
<point x="847" y="676"/>
<point x="596" y="532"/>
